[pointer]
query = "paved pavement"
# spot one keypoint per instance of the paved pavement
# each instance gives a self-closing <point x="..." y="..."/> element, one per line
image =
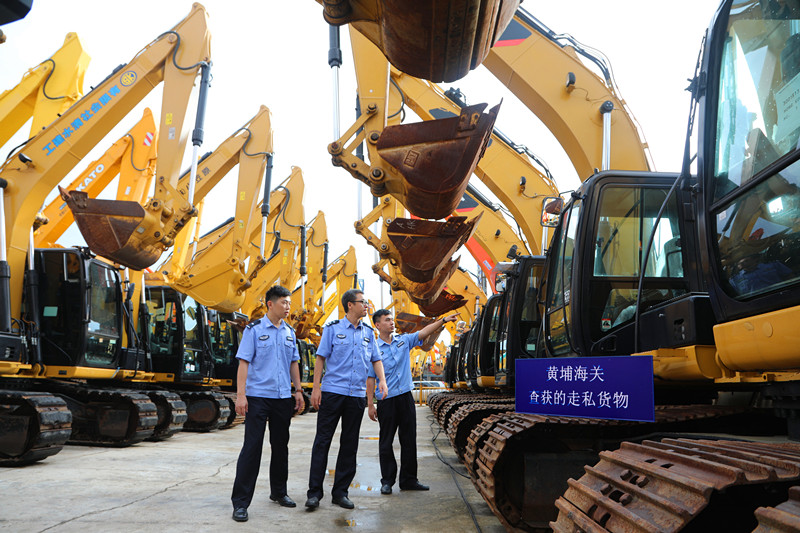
<point x="184" y="485"/>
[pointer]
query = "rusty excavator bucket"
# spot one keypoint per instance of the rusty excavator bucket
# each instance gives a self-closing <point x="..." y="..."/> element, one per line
<point x="425" y="246"/>
<point x="436" y="158"/>
<point x="437" y="40"/>
<point x="445" y="302"/>
<point x="107" y="227"/>
<point x="409" y="323"/>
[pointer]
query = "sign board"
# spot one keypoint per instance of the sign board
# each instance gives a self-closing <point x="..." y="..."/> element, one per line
<point x="616" y="388"/>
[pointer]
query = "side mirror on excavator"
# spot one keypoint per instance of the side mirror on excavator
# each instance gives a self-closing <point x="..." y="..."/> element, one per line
<point x="551" y="211"/>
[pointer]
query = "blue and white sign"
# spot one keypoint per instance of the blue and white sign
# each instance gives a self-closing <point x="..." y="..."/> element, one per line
<point x="616" y="388"/>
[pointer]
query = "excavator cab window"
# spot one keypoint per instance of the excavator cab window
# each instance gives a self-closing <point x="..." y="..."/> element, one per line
<point x="61" y="306"/>
<point x="626" y="217"/>
<point x="104" y="327"/>
<point x="756" y="180"/>
<point x="558" y="293"/>
<point x="192" y="336"/>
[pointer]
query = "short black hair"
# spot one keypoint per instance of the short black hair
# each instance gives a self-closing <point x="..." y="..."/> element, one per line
<point x="378" y="314"/>
<point x="275" y="292"/>
<point x="350" y="297"/>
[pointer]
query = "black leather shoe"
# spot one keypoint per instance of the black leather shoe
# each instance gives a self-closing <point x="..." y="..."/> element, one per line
<point x="416" y="486"/>
<point x="240" y="514"/>
<point x="344" y="502"/>
<point x="312" y="502"/>
<point x="386" y="488"/>
<point x="283" y="501"/>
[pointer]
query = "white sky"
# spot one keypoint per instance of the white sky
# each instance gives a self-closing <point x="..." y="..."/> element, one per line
<point x="275" y="53"/>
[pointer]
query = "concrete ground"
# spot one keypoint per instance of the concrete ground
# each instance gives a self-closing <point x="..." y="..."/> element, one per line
<point x="184" y="485"/>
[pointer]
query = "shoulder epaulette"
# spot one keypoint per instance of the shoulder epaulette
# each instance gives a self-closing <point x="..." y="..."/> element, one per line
<point x="288" y="325"/>
<point x="332" y="322"/>
<point x="253" y="323"/>
<point x="367" y="326"/>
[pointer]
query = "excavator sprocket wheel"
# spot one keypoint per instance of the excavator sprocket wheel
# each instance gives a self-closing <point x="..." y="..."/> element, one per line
<point x="207" y="410"/>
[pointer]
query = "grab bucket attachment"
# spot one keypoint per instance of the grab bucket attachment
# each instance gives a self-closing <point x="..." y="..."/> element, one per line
<point x="426" y="245"/>
<point x="437" y="157"/>
<point x="109" y="229"/>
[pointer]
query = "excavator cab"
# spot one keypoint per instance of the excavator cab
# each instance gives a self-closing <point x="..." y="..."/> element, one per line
<point x="594" y="267"/>
<point x="519" y="318"/>
<point x="81" y="315"/>
<point x="748" y="155"/>
<point x="224" y="342"/>
<point x="178" y="327"/>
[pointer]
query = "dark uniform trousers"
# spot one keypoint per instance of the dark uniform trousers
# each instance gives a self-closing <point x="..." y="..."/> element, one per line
<point x="398" y="413"/>
<point x="279" y="414"/>
<point x="333" y="407"/>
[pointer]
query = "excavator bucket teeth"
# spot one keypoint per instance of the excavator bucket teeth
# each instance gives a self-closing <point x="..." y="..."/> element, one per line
<point x="426" y="245"/>
<point x="444" y="303"/>
<point x="107" y="227"/>
<point x="461" y="32"/>
<point x="409" y="323"/>
<point x="437" y="157"/>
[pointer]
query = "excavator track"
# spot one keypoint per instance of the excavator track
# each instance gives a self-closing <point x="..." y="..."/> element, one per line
<point x="689" y="485"/>
<point x="466" y="417"/>
<point x="33" y="426"/>
<point x="111" y="417"/>
<point x="520" y="462"/>
<point x="207" y="410"/>
<point x="783" y="518"/>
<point x="234" y="419"/>
<point x="171" y="414"/>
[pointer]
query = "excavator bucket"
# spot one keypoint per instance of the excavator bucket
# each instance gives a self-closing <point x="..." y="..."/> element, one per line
<point x="444" y="303"/>
<point x="409" y="323"/>
<point x="437" y="40"/>
<point x="437" y="157"/>
<point x="426" y="245"/>
<point x="109" y="228"/>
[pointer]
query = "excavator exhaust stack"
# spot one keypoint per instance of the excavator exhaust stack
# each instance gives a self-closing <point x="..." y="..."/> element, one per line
<point x="437" y="157"/>
<point x="109" y="228"/>
<point x="460" y="32"/>
<point x="426" y="245"/>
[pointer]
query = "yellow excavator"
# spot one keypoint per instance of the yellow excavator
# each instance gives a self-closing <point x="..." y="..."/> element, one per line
<point x="45" y="91"/>
<point x="63" y="312"/>
<point x="697" y="272"/>
<point x="216" y="274"/>
<point x="126" y="232"/>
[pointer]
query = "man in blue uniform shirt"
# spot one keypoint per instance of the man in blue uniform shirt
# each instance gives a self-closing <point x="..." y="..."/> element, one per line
<point x="348" y="349"/>
<point x="396" y="410"/>
<point x="268" y="365"/>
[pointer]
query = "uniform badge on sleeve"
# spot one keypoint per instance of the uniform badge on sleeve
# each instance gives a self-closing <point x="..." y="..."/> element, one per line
<point x="263" y="337"/>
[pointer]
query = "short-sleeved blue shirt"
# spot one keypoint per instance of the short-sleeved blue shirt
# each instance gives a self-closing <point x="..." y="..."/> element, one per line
<point x="396" y="356"/>
<point x="270" y="351"/>
<point x="349" y="352"/>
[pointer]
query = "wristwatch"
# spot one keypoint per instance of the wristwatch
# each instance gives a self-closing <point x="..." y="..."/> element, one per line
<point x="298" y="390"/>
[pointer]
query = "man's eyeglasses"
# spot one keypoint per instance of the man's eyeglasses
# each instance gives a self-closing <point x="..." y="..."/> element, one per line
<point x="362" y="302"/>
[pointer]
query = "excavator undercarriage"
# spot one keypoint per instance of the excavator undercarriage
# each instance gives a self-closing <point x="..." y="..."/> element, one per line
<point x="650" y="476"/>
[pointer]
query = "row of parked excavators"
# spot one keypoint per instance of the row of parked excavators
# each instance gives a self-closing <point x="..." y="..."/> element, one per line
<point x="94" y="349"/>
<point x="696" y="269"/>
